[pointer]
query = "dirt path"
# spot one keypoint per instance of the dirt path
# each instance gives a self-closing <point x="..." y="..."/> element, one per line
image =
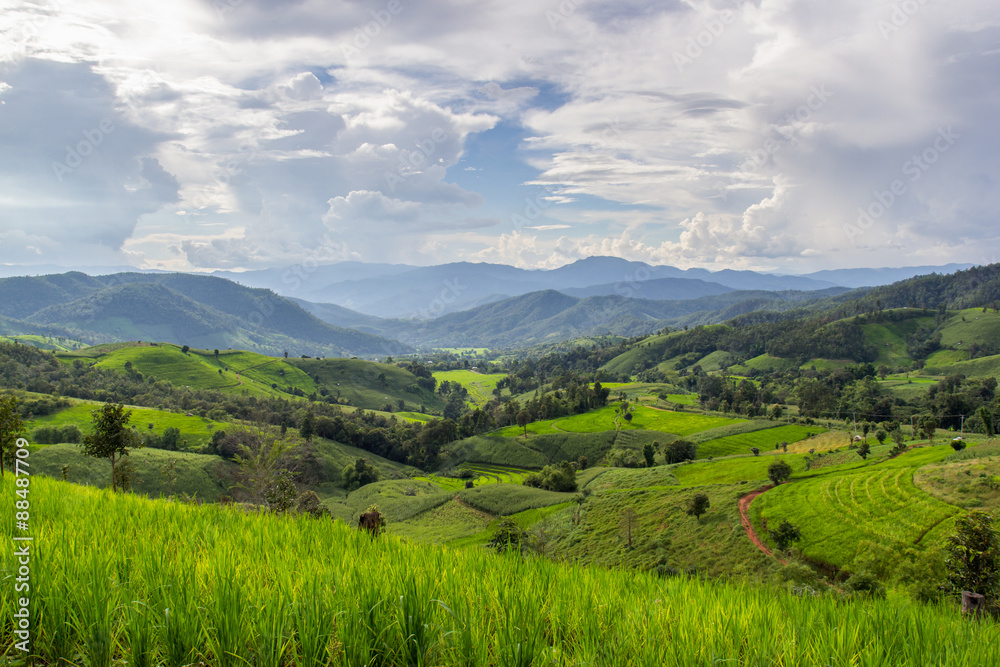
<point x="748" y="525"/>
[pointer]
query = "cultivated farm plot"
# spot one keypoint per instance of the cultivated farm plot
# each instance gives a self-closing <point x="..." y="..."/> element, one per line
<point x="196" y="430"/>
<point x="763" y="440"/>
<point x="479" y="385"/>
<point x="643" y="418"/>
<point x="484" y="474"/>
<point x="836" y="514"/>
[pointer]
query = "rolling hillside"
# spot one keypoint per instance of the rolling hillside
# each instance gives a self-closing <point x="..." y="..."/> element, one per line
<point x="200" y="311"/>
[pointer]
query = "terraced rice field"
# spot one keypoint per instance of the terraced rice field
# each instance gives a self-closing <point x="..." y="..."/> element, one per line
<point x="835" y="514"/>
<point x="643" y="418"/>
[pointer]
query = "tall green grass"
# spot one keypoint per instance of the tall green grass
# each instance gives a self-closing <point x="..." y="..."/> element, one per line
<point x="123" y="578"/>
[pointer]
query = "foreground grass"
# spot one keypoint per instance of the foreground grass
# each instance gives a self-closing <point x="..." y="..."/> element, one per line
<point x="119" y="577"/>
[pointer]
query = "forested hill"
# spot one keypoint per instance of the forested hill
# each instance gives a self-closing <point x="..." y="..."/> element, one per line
<point x="201" y="311"/>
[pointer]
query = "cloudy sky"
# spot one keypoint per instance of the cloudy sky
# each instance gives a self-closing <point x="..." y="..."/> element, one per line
<point x="238" y="134"/>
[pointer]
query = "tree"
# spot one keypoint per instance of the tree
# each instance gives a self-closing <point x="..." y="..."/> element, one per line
<point x="958" y="444"/>
<point x="171" y="439"/>
<point x="864" y="450"/>
<point x="929" y="426"/>
<point x="755" y="450"/>
<point x="264" y="460"/>
<point x="986" y="417"/>
<point x="648" y="453"/>
<point x="679" y="450"/>
<point x="185" y="349"/>
<point x="111" y="438"/>
<point x="523" y="419"/>
<point x="697" y="505"/>
<point x="306" y="429"/>
<point x="785" y="534"/>
<point x="628" y="522"/>
<point x="881" y="435"/>
<point x="357" y="475"/>
<point x="12" y="428"/>
<point x="508" y="536"/>
<point x="216" y="353"/>
<point x="779" y="471"/>
<point x="974" y="555"/>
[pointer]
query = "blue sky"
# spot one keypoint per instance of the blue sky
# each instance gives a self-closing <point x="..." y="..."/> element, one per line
<point x="779" y="135"/>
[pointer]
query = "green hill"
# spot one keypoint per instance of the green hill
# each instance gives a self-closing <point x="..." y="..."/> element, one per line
<point x="237" y="371"/>
<point x="196" y="310"/>
<point x="241" y="587"/>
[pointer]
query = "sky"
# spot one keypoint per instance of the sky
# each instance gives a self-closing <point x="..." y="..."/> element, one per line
<point x="776" y="135"/>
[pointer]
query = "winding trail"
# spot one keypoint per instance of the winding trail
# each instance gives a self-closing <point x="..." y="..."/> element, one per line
<point x="748" y="525"/>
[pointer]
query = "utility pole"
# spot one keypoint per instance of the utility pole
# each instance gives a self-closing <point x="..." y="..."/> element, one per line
<point x="963" y="427"/>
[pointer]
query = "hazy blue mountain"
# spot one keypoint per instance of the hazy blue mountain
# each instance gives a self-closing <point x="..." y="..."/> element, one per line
<point x="882" y="276"/>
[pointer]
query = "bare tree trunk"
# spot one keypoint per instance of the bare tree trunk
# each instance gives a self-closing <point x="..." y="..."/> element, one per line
<point x="972" y="605"/>
<point x="114" y="486"/>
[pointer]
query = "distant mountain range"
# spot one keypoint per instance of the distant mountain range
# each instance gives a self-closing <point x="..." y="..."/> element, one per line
<point x="398" y="308"/>
<point x="400" y="291"/>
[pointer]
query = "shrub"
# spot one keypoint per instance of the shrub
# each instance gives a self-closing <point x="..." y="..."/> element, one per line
<point x="357" y="475"/>
<point x="958" y="444"/>
<point x="785" y="534"/>
<point x="561" y="477"/>
<point x="679" y="450"/>
<point x="866" y="584"/>
<point x="508" y="536"/>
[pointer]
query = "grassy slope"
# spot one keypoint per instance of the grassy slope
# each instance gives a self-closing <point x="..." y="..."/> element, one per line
<point x="358" y="382"/>
<point x="230" y="577"/>
<point x="195" y="430"/>
<point x="763" y="440"/>
<point x="644" y="418"/>
<point x="479" y="385"/>
<point x="877" y="502"/>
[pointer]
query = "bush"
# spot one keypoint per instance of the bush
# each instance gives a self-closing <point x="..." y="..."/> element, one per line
<point x="356" y="475"/>
<point x="51" y="435"/>
<point x="561" y="477"/>
<point x="865" y="584"/>
<point x="679" y="450"/>
<point x="785" y="534"/>
<point x="958" y="444"/>
<point x="509" y="536"/>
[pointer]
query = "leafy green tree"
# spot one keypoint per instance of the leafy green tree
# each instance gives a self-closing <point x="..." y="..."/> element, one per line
<point x="306" y="429"/>
<point x="561" y="477"/>
<point x="11" y="428"/>
<point x="974" y="555"/>
<point x="880" y="435"/>
<point x="865" y="584"/>
<point x="508" y="536"/>
<point x="185" y="349"/>
<point x="986" y="417"/>
<point x="171" y="439"/>
<point x="864" y="450"/>
<point x="357" y="475"/>
<point x="648" y="453"/>
<point x="697" y="505"/>
<point x="264" y="459"/>
<point x="111" y="438"/>
<point x="929" y="426"/>
<point x="679" y="450"/>
<point x="779" y="471"/>
<point x="785" y="534"/>
<point x="755" y="450"/>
